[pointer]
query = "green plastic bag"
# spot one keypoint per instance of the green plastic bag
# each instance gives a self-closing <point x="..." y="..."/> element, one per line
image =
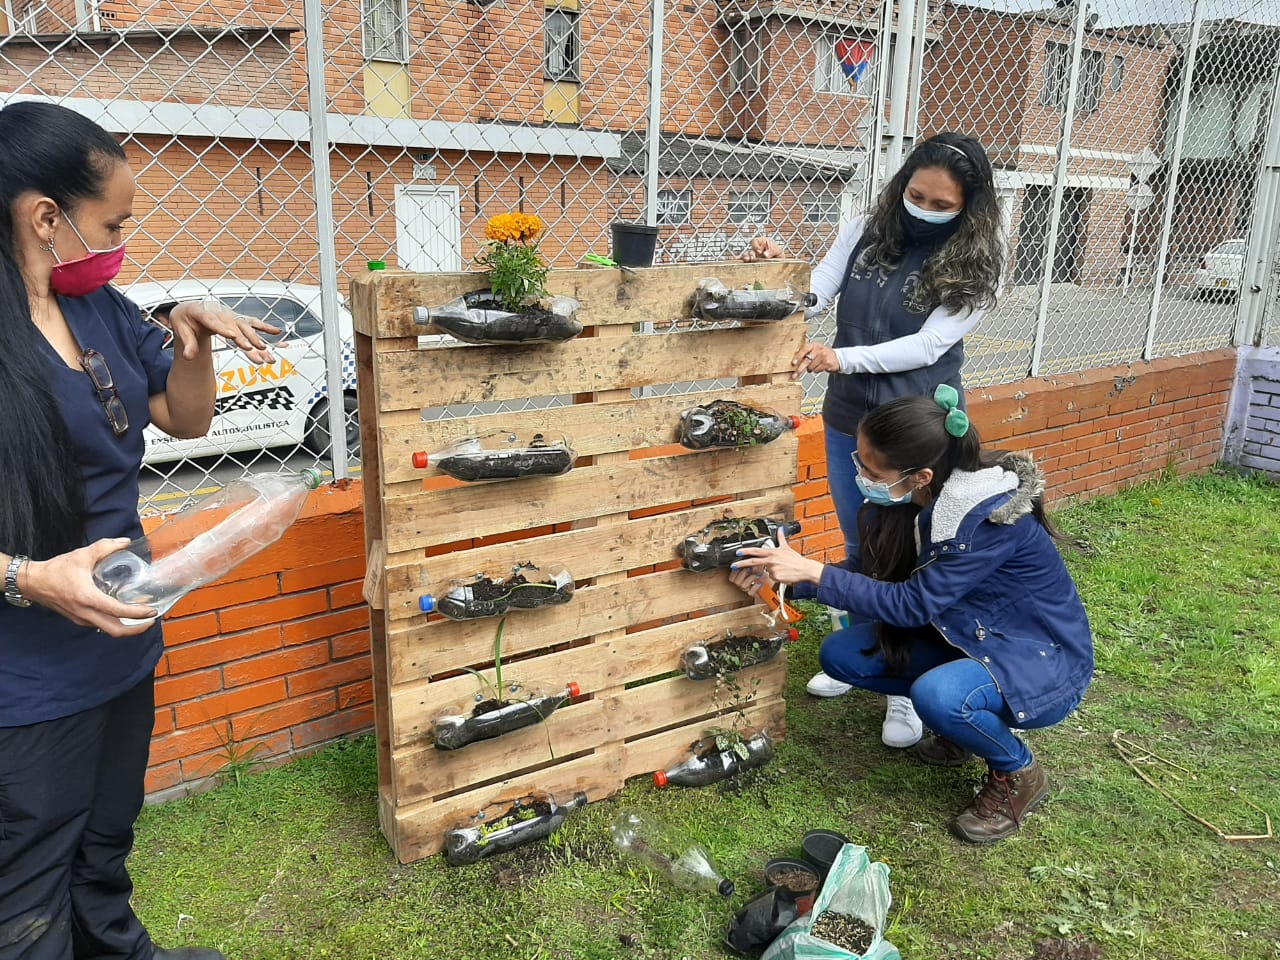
<point x="855" y="886"/>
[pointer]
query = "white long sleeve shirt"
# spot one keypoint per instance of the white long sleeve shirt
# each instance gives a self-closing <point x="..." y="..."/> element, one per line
<point x="942" y="329"/>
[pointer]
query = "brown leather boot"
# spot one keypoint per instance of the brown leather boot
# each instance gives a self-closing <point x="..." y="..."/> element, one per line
<point x="940" y="752"/>
<point x="1002" y="803"/>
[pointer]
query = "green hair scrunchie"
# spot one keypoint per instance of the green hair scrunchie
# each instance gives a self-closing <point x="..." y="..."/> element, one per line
<point x="957" y="422"/>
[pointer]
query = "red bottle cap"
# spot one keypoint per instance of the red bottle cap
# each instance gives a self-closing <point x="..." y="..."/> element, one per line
<point x="573" y="689"/>
<point x="659" y="778"/>
<point x="793" y="634"/>
<point x="795" y="422"/>
<point x="420" y="459"/>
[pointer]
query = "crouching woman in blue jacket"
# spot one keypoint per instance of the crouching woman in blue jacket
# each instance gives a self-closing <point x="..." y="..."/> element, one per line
<point x="981" y="625"/>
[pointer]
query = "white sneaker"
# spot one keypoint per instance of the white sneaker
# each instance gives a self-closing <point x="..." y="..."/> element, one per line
<point x="823" y="686"/>
<point x="902" y="728"/>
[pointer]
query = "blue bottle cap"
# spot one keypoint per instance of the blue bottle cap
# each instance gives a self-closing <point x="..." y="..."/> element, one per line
<point x="426" y="603"/>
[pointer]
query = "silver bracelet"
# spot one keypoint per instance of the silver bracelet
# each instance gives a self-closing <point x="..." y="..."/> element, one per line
<point x="11" y="592"/>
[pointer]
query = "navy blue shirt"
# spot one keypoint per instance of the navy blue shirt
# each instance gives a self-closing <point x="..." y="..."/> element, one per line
<point x="50" y="667"/>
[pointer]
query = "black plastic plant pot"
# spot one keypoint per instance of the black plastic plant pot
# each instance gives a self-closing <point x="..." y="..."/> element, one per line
<point x="820" y="847"/>
<point x="794" y="878"/>
<point x="528" y="819"/>
<point x="716" y="545"/>
<point x="731" y="653"/>
<point x="634" y="244"/>
<point x="492" y="719"/>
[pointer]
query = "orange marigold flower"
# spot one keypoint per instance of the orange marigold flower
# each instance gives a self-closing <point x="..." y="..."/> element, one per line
<point x="513" y="227"/>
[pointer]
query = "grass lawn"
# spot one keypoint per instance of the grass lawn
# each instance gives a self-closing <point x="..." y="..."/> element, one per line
<point x="1181" y="585"/>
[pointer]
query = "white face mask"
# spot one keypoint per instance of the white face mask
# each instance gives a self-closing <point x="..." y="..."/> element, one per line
<point x="929" y="216"/>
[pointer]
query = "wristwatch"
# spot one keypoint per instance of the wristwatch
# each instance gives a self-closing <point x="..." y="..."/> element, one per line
<point x="11" y="592"/>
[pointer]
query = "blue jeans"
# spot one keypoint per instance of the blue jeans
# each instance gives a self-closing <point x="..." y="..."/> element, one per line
<point x="844" y="489"/>
<point x="954" y="695"/>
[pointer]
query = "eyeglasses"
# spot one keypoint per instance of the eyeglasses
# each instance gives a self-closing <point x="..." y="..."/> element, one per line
<point x="95" y="365"/>
<point x="861" y="468"/>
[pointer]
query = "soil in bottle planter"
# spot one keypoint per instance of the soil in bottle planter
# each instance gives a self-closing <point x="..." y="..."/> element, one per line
<point x="492" y="718"/>
<point x="731" y="653"/>
<point x="844" y="931"/>
<point x="479" y="318"/>
<point x="727" y="423"/>
<point x="716" y="545"/>
<point x="517" y="822"/>
<point x="527" y="588"/>
<point x="709" y="764"/>
<point x="500" y="456"/>
<point x="713" y="300"/>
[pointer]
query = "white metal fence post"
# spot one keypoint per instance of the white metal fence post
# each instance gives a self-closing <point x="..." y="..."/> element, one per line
<point x="1256" y="289"/>
<point x="1171" y="184"/>
<point x="1059" y="184"/>
<point x="656" y="51"/>
<point x="901" y="81"/>
<point x="322" y="185"/>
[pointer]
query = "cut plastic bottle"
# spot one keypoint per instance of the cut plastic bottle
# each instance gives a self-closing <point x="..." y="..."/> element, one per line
<point x="506" y="825"/>
<point x="527" y="588"/>
<point x="716" y="545"/>
<point x="500" y="456"/>
<point x="204" y="540"/>
<point x="710" y="764"/>
<point x="713" y="300"/>
<point x="492" y="718"/>
<point x="731" y="653"/>
<point x="687" y="865"/>
<point x="478" y="317"/>
<point x="727" y="423"/>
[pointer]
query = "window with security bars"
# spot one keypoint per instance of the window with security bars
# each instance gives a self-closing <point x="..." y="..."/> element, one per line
<point x="744" y="59"/>
<point x="821" y="207"/>
<point x="563" y="46"/>
<point x="386" y="29"/>
<point x="674" y="207"/>
<point x="845" y="65"/>
<point x="1117" y="72"/>
<point x="1057" y="77"/>
<point x="750" y="206"/>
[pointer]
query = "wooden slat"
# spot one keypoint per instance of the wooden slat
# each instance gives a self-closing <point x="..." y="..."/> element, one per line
<point x="445" y="516"/>
<point x="414" y="379"/>
<point x="614" y="662"/>
<point x="591" y="429"/>
<point x="417" y="652"/>
<point x="383" y="301"/>
<point x="679" y="699"/>
<point x="661" y="751"/>
<point x="626" y="546"/>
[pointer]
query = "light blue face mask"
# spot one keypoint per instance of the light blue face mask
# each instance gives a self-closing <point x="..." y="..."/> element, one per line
<point x="929" y="216"/>
<point x="877" y="491"/>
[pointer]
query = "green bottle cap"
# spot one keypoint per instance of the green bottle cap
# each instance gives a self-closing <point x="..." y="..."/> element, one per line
<point x="377" y="264"/>
<point x="311" y="476"/>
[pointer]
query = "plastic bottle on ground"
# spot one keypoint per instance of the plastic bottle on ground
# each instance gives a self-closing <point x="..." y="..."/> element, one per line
<point x="664" y="851"/>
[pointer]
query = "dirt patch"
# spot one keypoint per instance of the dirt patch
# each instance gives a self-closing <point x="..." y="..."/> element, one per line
<point x="517" y="867"/>
<point x="1059" y="949"/>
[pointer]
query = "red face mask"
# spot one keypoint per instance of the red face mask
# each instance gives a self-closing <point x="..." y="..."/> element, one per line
<point x="93" y="271"/>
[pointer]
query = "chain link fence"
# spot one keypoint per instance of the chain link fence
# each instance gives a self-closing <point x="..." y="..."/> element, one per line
<point x="279" y="148"/>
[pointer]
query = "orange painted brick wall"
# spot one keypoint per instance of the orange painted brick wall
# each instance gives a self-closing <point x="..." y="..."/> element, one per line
<point x="275" y="659"/>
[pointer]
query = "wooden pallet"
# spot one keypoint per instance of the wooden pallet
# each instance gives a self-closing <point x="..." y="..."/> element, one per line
<point x="614" y="521"/>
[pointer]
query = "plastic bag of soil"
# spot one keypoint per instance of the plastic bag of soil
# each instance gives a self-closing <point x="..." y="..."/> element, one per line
<point x="847" y="921"/>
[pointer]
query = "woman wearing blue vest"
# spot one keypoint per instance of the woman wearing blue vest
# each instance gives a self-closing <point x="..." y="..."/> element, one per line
<point x="912" y="278"/>
<point x="82" y="377"/>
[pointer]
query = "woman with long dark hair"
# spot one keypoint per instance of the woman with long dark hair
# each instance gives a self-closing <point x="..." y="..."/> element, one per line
<point x="985" y="631"/>
<point x="82" y="377"/>
<point x="912" y="278"/>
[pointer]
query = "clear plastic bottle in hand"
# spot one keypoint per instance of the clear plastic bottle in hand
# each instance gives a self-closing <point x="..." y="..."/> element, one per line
<point x="685" y="864"/>
<point x="204" y="540"/>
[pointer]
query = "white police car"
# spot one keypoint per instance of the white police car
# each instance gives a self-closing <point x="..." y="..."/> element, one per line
<point x="281" y="404"/>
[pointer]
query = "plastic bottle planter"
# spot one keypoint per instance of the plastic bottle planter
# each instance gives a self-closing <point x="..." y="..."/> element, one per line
<point x="515" y="823"/>
<point x="500" y="456"/>
<point x="730" y="653"/>
<point x="716" y="545"/>
<point x="726" y="423"/>
<point x="715" y="301"/>
<point x="479" y="318"/>
<point x="492" y="718"/>
<point x="526" y="589"/>
<point x="711" y="765"/>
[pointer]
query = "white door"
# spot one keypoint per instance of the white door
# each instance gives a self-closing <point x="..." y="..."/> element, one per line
<point x="428" y="229"/>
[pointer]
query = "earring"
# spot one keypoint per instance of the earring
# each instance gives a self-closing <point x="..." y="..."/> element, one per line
<point x="48" y="247"/>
